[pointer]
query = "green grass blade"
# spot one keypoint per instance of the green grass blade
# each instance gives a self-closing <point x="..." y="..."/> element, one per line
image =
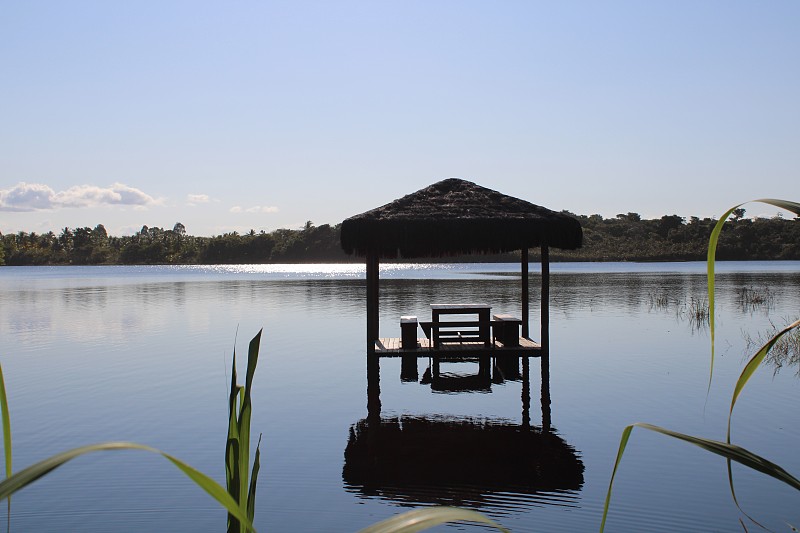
<point x="252" y="360"/>
<point x="232" y="479"/>
<point x="6" y="438"/>
<point x="232" y="449"/>
<point x="251" y="494"/>
<point x="214" y="489"/>
<point x="6" y="423"/>
<point x="623" y="442"/>
<point x="751" y="366"/>
<point x="731" y="452"/>
<point x="794" y="207"/>
<point x="30" y="474"/>
<point x="420" y="519"/>
<point x="710" y="262"/>
<point x="245" y="415"/>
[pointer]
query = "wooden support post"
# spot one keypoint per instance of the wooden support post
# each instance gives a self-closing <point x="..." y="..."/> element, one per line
<point x="372" y="301"/>
<point x="545" y="311"/>
<point x="545" y="358"/>
<point x="525" y="298"/>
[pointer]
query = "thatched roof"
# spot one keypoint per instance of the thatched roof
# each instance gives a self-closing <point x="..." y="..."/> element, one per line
<point x="462" y="462"/>
<point x="454" y="217"/>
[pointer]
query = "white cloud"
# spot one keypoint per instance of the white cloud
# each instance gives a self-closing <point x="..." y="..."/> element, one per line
<point x="263" y="209"/>
<point x="26" y="197"/>
<point x="255" y="209"/>
<point x="194" y="199"/>
<point x="37" y="196"/>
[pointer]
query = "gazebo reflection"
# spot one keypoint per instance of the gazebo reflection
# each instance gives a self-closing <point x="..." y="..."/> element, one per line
<point x="493" y="464"/>
<point x="486" y="463"/>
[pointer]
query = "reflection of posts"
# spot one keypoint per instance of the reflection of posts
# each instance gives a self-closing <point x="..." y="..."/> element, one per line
<point x="505" y="368"/>
<point x="485" y="367"/>
<point x="526" y="394"/>
<point x="545" y="396"/>
<point x="408" y="368"/>
<point x="373" y="387"/>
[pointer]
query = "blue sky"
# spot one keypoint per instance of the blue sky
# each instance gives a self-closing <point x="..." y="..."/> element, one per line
<point x="228" y="116"/>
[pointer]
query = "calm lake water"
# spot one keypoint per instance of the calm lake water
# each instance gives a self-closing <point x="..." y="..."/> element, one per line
<point x="143" y="354"/>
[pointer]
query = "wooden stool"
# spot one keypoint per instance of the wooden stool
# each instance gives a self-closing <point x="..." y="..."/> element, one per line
<point x="408" y="332"/>
<point x="506" y="329"/>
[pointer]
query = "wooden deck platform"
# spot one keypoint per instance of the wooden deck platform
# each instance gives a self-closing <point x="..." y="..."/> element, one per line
<point x="391" y="347"/>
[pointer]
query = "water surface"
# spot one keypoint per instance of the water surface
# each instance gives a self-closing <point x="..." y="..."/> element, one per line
<point x="143" y="354"/>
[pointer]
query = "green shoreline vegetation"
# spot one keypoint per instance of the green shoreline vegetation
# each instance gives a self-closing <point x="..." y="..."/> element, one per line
<point x="627" y="237"/>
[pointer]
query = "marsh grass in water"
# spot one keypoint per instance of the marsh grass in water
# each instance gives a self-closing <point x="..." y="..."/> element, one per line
<point x="751" y="299"/>
<point x="697" y="312"/>
<point x="731" y="452"/>
<point x="693" y="309"/>
<point x="661" y="300"/>
<point x="785" y="352"/>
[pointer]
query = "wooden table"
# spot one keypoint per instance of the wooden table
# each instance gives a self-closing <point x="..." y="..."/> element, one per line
<point x="483" y="324"/>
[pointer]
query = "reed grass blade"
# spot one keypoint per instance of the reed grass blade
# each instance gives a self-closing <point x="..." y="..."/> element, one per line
<point x="251" y="494"/>
<point x="733" y="452"/>
<point x="710" y="263"/>
<point x="713" y="240"/>
<point x="245" y="416"/>
<point x="729" y="451"/>
<point x="752" y="365"/>
<point x="623" y="442"/>
<point x="421" y="519"/>
<point x="214" y="489"/>
<point x="241" y="487"/>
<point x="232" y="449"/>
<point x="6" y="415"/>
<point x="6" y="424"/>
<point x="30" y="474"/>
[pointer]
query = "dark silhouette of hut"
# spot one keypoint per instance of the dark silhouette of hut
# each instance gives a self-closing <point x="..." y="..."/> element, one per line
<point x="463" y="462"/>
<point x="455" y="217"/>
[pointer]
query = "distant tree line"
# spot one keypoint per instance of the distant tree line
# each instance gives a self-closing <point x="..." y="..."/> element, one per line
<point x="152" y="245"/>
<point x="627" y="237"/>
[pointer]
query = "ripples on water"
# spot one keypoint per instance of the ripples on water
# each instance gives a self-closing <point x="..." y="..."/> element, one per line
<point x="142" y="353"/>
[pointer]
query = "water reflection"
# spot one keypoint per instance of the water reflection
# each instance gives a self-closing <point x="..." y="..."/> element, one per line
<point x="494" y="464"/>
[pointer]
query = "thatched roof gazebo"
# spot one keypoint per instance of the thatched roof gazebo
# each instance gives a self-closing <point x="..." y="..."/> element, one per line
<point x="456" y="217"/>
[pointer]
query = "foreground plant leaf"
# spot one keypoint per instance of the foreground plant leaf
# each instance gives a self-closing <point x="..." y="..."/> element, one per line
<point x="729" y="451"/>
<point x="6" y="423"/>
<point x="6" y="438"/>
<point x="794" y="207"/>
<point x="752" y="365"/>
<point x="421" y="519"/>
<point x="748" y="371"/>
<point x="30" y="474"/>
<point x="237" y="448"/>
